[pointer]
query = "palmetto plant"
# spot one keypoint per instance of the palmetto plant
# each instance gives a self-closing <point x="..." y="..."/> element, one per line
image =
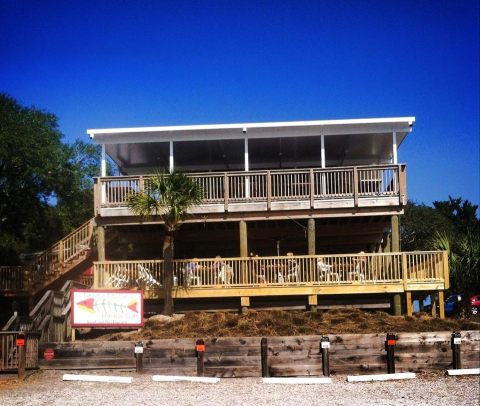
<point x="168" y="196"/>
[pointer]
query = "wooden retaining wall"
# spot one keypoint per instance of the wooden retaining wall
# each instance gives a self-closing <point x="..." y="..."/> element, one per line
<point x="287" y="356"/>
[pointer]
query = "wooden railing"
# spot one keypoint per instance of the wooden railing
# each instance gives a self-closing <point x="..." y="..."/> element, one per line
<point x="304" y="270"/>
<point x="50" y="317"/>
<point x="9" y="354"/>
<point x="356" y="183"/>
<point x="12" y="278"/>
<point x="50" y="264"/>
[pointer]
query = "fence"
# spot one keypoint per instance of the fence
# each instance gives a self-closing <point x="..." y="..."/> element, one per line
<point x="275" y="185"/>
<point x="9" y="350"/>
<point x="306" y="270"/>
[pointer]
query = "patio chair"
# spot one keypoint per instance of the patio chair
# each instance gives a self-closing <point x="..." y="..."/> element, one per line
<point x="145" y="277"/>
<point x="225" y="274"/>
<point x="325" y="272"/>
<point x="293" y="272"/>
<point x="193" y="278"/>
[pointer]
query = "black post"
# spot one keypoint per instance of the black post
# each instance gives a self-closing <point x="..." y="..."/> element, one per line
<point x="456" y="342"/>
<point x="200" y="349"/>
<point x="264" y="353"/>
<point x="139" y="356"/>
<point x="324" y="349"/>
<point x="390" y="348"/>
<point x="21" y="343"/>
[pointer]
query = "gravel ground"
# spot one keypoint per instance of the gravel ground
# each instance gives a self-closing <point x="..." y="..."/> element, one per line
<point x="47" y="388"/>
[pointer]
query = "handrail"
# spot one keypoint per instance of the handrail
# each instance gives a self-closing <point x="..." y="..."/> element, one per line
<point x="50" y="264"/>
<point x="312" y="184"/>
<point x="299" y="270"/>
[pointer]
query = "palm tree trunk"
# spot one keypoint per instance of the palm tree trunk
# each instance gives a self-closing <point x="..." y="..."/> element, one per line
<point x="168" y="275"/>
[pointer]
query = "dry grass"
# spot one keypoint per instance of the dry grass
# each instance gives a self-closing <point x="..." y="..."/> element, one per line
<point x="290" y="323"/>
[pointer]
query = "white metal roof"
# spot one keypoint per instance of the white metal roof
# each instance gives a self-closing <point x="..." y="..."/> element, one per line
<point x="401" y="125"/>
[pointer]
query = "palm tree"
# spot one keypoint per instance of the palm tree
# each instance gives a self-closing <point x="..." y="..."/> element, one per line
<point x="169" y="196"/>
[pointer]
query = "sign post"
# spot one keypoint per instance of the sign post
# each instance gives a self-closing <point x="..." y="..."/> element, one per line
<point x="22" y="356"/>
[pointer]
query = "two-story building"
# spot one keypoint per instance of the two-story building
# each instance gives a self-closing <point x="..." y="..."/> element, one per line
<point x="305" y="210"/>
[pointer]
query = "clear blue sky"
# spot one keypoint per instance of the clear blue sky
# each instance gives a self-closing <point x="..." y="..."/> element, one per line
<point x="138" y="63"/>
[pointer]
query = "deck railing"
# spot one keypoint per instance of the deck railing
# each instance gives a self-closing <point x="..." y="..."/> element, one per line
<point x="9" y="350"/>
<point x="303" y="270"/>
<point x="50" y="264"/>
<point x="270" y="186"/>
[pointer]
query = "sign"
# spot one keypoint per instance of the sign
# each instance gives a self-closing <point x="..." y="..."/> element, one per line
<point x="20" y="342"/>
<point x="457" y="340"/>
<point x="138" y="350"/>
<point x="391" y="342"/>
<point x="325" y="344"/>
<point x="48" y="354"/>
<point x="107" y="308"/>
<point x="200" y="347"/>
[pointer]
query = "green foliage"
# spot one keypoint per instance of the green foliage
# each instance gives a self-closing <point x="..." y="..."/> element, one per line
<point x="45" y="185"/>
<point x="168" y="195"/>
<point x="451" y="226"/>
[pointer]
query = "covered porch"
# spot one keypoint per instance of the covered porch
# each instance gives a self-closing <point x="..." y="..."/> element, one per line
<point x="310" y="276"/>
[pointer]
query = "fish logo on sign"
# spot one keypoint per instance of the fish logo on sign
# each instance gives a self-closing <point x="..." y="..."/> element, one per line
<point x="92" y="305"/>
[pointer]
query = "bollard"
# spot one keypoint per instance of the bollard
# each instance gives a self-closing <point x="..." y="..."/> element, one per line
<point x="390" y="343"/>
<point x="456" y="353"/>
<point x="324" y="349"/>
<point x="200" y="350"/>
<point x="264" y="353"/>
<point x="138" y="356"/>
<point x="22" y="355"/>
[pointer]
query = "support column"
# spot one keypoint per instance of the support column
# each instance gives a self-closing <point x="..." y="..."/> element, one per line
<point x="441" y="304"/>
<point x="100" y="234"/>
<point x="397" y="304"/>
<point x="395" y="223"/>
<point x="434" y="304"/>
<point x="243" y="249"/>
<point x="394" y="147"/>
<point x="170" y="161"/>
<point x="311" y="236"/>
<point x="408" y="297"/>
<point x="243" y="239"/>
<point x="313" y="302"/>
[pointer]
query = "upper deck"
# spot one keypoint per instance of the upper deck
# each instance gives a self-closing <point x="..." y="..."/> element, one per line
<point x="344" y="166"/>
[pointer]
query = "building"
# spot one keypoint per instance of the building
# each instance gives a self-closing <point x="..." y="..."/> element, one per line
<point x="293" y="212"/>
<point x="323" y="191"/>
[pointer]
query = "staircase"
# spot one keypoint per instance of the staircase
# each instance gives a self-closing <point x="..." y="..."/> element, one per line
<point x="50" y="318"/>
<point x="51" y="265"/>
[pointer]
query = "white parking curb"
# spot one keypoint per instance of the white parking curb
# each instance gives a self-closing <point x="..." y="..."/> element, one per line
<point x="297" y="381"/>
<point x="97" y="378"/>
<point x="174" y="378"/>
<point x="381" y="377"/>
<point x="469" y="371"/>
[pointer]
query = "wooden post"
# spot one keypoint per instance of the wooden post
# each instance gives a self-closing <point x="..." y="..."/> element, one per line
<point x="244" y="303"/>
<point x="390" y="343"/>
<point x="243" y="248"/>
<point x="312" y="188"/>
<point x="408" y="298"/>
<point x="324" y="349"/>
<point x="434" y="305"/>
<point x="22" y="355"/>
<point x="269" y="190"/>
<point x="264" y="354"/>
<point x="456" y="340"/>
<point x="226" y="192"/>
<point x="397" y="304"/>
<point x="313" y="302"/>
<point x="441" y="304"/>
<point x="355" y="186"/>
<point x="395" y="224"/>
<point x="200" y="350"/>
<point x="101" y="243"/>
<point x="139" y="356"/>
<point x="311" y="236"/>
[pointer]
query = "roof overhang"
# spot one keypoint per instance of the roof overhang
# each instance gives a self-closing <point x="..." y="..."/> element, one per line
<point x="401" y="125"/>
<point x="221" y="146"/>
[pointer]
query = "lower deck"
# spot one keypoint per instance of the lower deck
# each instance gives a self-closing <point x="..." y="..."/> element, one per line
<point x="310" y="276"/>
